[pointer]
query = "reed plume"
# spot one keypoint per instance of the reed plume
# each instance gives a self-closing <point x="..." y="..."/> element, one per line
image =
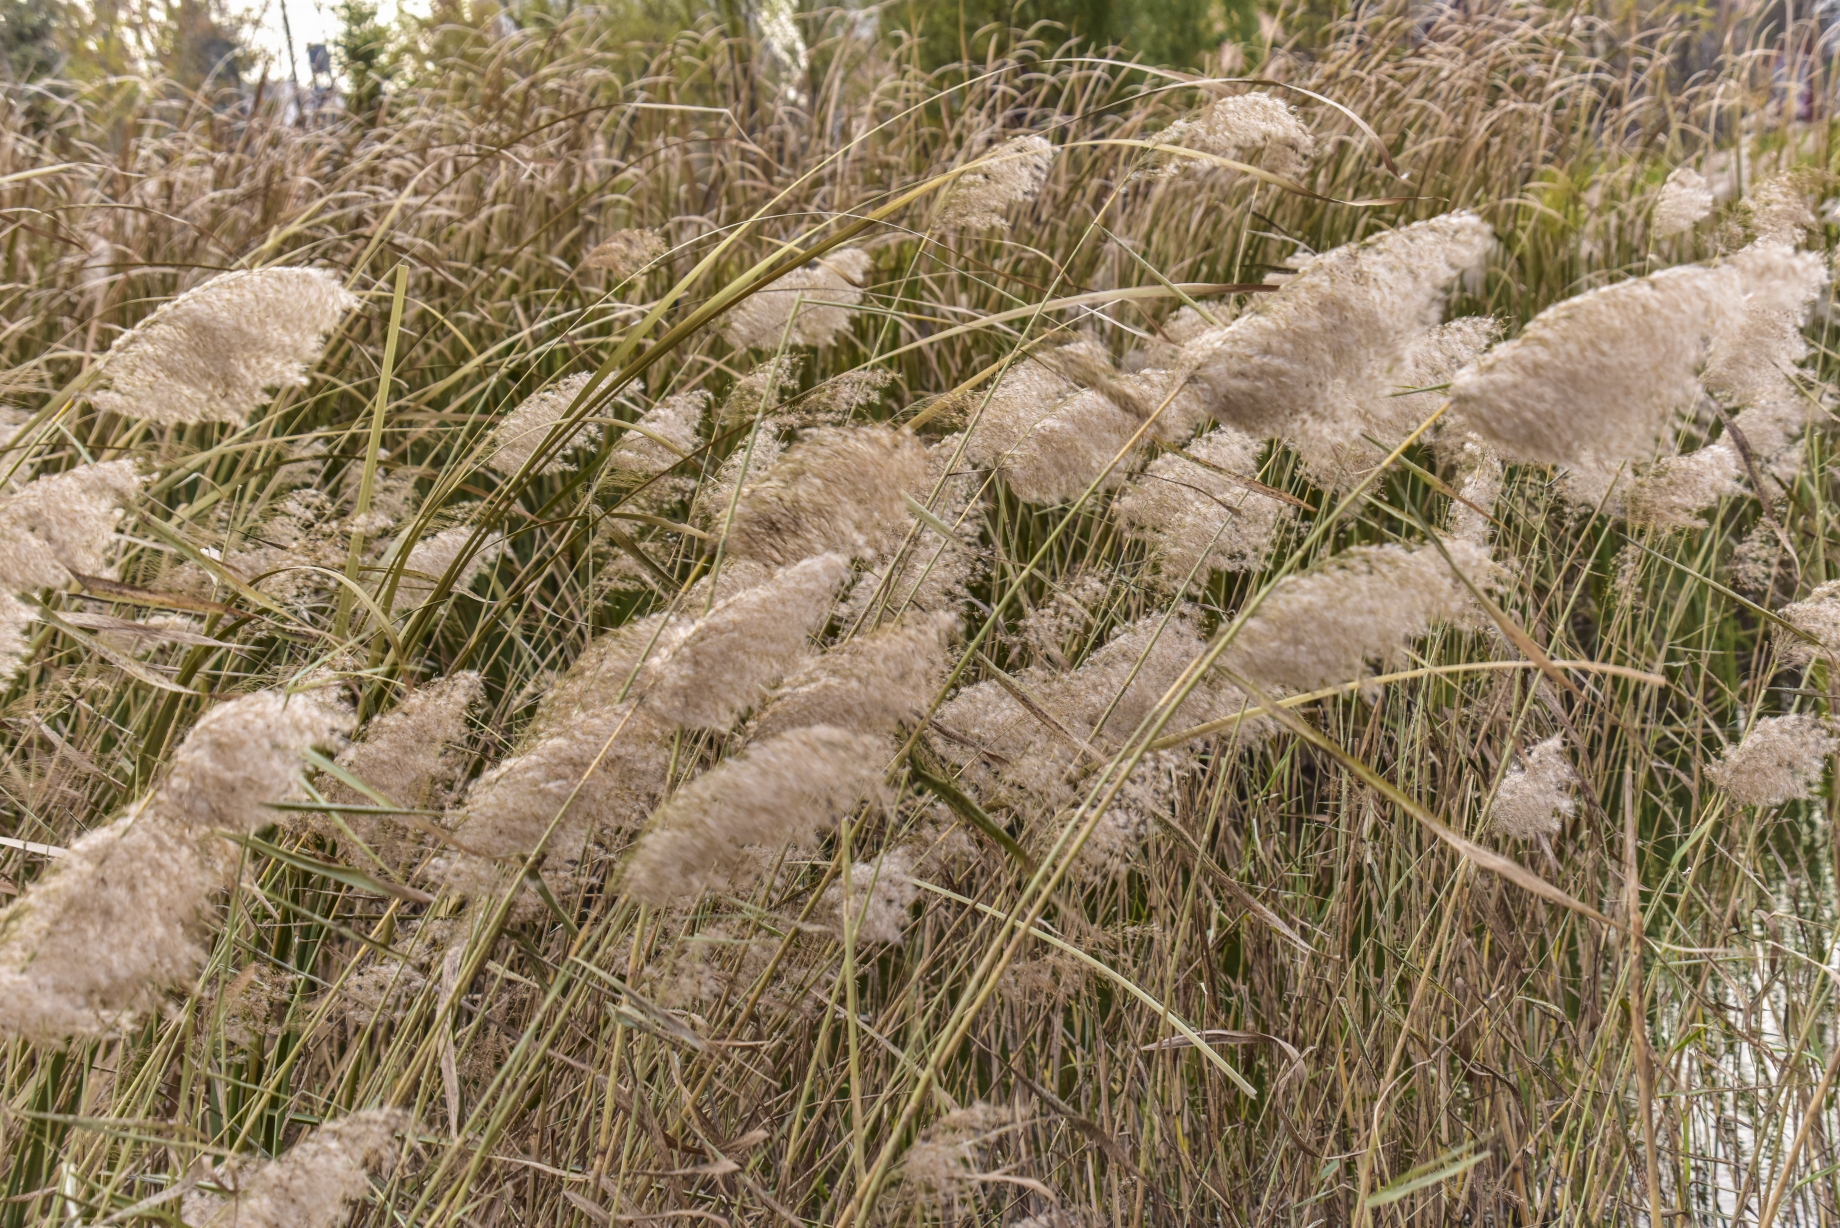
<point x="1592" y="383"/>
<point x="63" y="524"/>
<point x="212" y="354"/>
<point x="1007" y="175"/>
<point x="1199" y="511"/>
<point x="626" y="253"/>
<point x="868" y="684"/>
<point x="313" y="1185"/>
<point x="778" y="792"/>
<point x="117" y="920"/>
<point x="1308" y="363"/>
<point x="1322" y="628"/>
<point x="825" y="294"/>
<point x="707" y="673"/>
<point x="1242" y="126"/>
<point x="1684" y="202"/>
<point x="839" y="489"/>
<point x="1537" y="795"/>
<point x="1781" y="759"/>
<point x="516" y="439"/>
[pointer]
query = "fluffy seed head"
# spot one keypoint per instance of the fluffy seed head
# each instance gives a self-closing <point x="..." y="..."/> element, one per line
<point x="1307" y="363"/>
<point x="315" y="1183"/>
<point x="1194" y="513"/>
<point x="831" y="289"/>
<point x="1758" y="344"/>
<point x="625" y="252"/>
<point x="838" y="489"/>
<point x="948" y="1158"/>
<point x="63" y="523"/>
<point x="1245" y="124"/>
<point x="524" y="429"/>
<point x="1819" y="615"/>
<point x="409" y="755"/>
<point x="1535" y="797"/>
<point x="432" y="556"/>
<point x="933" y="573"/>
<point x="243" y="754"/>
<point x="1672" y="492"/>
<point x="1777" y="211"/>
<point x="1593" y="382"/>
<point x="1780" y="759"/>
<point x="869" y="684"/>
<point x="881" y="897"/>
<point x="211" y="354"/>
<point x="16" y="619"/>
<point x="601" y="770"/>
<point x="676" y="420"/>
<point x="112" y="924"/>
<point x="1684" y="202"/>
<point x="1366" y="604"/>
<point x="713" y="670"/>
<point x="777" y="792"/>
<point x="1055" y="421"/>
<point x="1011" y="173"/>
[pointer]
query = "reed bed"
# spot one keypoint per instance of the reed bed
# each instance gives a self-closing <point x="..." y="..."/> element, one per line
<point x="646" y="635"/>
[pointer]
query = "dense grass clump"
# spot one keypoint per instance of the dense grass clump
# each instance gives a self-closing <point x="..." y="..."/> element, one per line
<point x="630" y="635"/>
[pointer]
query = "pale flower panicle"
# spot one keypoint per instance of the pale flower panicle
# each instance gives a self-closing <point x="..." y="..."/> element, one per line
<point x="1011" y="173"/>
<point x="1536" y="796"/>
<point x="523" y="431"/>
<point x="63" y="524"/>
<point x="869" y="684"/>
<point x="825" y="292"/>
<point x="1685" y="201"/>
<point x="838" y="489"/>
<point x="781" y="791"/>
<point x="1781" y="759"/>
<point x="703" y="675"/>
<point x="626" y="253"/>
<point x="212" y="354"/>
<point x="314" y="1184"/>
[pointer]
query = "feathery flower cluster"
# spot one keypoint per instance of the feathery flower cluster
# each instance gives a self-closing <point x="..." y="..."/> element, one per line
<point x="1312" y="362"/>
<point x="1818" y="614"/>
<point x="1057" y="420"/>
<point x="63" y="524"/>
<point x="1535" y="797"/>
<point x="431" y="557"/>
<point x="838" y="489"/>
<point x="314" y="1184"/>
<point x="1780" y="760"/>
<point x="625" y="253"/>
<point x="1776" y="211"/>
<point x="882" y="892"/>
<point x="949" y="1153"/>
<point x="1242" y="125"/>
<point x="115" y="921"/>
<point x="825" y="293"/>
<point x="1197" y="513"/>
<point x="1593" y="382"/>
<point x="777" y="792"/>
<point x="934" y="573"/>
<point x="1366" y="604"/>
<point x="409" y="755"/>
<point x="517" y="438"/>
<point x="706" y="673"/>
<point x="1684" y="202"/>
<point x="868" y="684"/>
<point x="1470" y="513"/>
<point x="211" y="354"/>
<point x="1019" y="747"/>
<point x="665" y="434"/>
<point x="593" y="759"/>
<point x="1759" y="345"/>
<point x="1008" y="175"/>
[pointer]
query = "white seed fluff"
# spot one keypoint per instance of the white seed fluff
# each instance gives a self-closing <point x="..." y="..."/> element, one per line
<point x="1780" y="760"/>
<point x="211" y="354"/>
